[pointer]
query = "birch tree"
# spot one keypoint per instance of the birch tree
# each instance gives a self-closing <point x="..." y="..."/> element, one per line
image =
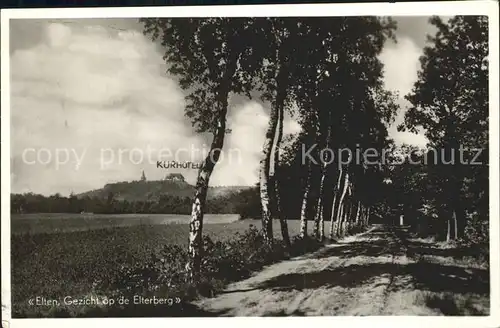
<point x="211" y="58"/>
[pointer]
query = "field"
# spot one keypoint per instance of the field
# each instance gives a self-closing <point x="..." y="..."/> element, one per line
<point x="61" y="222"/>
<point x="59" y="264"/>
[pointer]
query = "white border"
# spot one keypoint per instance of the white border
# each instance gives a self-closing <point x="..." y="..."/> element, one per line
<point x="444" y="8"/>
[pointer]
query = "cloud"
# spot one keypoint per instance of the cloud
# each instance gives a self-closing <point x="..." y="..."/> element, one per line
<point x="401" y="65"/>
<point x="243" y="146"/>
<point x="99" y="104"/>
<point x="98" y="95"/>
<point x="415" y="28"/>
<point x="103" y="95"/>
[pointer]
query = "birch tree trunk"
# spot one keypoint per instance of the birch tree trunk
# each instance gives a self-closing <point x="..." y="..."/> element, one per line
<point x="195" y="246"/>
<point x="267" y="222"/>
<point x="319" y="216"/>
<point x="332" y="216"/>
<point x="269" y="182"/>
<point x="349" y="209"/>
<point x="276" y="190"/>
<point x="319" y="222"/>
<point x="349" y="217"/>
<point x="341" y="201"/>
<point x="305" y="203"/>
<point x="319" y="232"/>
<point x="448" y="230"/>
<point x="356" y="221"/>
<point x="338" y="220"/>
<point x="335" y="207"/>
<point x="344" y="218"/>
<point x="452" y="229"/>
<point x="455" y="225"/>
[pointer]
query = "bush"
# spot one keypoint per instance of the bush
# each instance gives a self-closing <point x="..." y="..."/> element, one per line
<point x="476" y="238"/>
<point x="222" y="262"/>
<point x="163" y="273"/>
<point x="248" y="205"/>
<point x="477" y="230"/>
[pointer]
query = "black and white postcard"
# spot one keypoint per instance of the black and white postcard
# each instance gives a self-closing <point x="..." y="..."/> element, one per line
<point x="251" y="161"/>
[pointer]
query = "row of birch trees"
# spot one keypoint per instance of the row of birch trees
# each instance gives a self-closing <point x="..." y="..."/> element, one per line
<point x="325" y="71"/>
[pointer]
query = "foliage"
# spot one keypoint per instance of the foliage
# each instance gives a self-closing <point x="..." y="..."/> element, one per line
<point x="477" y="232"/>
<point x="250" y="205"/>
<point x="223" y="261"/>
<point x="450" y="102"/>
<point x="342" y="105"/>
<point x="334" y="82"/>
<point x="224" y="200"/>
<point x="453" y="76"/>
<point x="210" y="57"/>
<point x="415" y="190"/>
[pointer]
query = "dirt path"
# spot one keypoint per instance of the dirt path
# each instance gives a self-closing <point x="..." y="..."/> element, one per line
<point x="380" y="272"/>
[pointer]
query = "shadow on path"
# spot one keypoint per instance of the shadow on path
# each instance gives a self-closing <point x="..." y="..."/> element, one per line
<point x="383" y="257"/>
<point x="422" y="275"/>
<point x="425" y="276"/>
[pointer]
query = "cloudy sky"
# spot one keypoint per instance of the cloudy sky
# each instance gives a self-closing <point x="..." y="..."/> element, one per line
<point x="91" y="104"/>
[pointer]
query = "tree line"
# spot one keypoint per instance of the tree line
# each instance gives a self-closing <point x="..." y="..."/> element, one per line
<point x="326" y="72"/>
<point x="239" y="202"/>
<point x="450" y="102"/>
<point x="324" y="69"/>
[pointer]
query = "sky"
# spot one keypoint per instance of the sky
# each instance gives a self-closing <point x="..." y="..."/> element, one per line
<point x="91" y="104"/>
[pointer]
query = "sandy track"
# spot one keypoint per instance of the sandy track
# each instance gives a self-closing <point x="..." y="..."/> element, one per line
<point x="366" y="274"/>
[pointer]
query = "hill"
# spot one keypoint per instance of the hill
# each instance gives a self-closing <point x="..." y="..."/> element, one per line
<point x="169" y="196"/>
<point x="153" y="190"/>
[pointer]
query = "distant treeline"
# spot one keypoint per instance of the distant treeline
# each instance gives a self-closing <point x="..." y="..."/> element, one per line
<point x="246" y="203"/>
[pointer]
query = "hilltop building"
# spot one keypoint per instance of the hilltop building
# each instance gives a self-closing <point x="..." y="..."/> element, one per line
<point x="174" y="177"/>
